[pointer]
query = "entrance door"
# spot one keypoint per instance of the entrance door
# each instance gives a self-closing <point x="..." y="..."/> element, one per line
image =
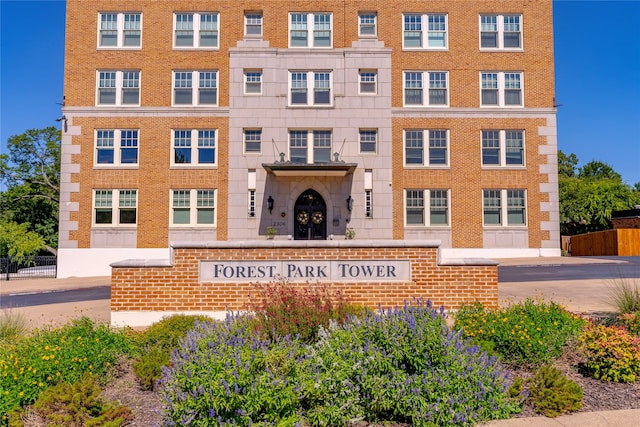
<point x="310" y="217"/>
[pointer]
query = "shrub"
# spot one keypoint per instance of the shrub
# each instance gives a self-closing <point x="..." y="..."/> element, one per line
<point x="224" y="374"/>
<point x="148" y="367"/>
<point x="50" y="356"/>
<point x="157" y="343"/>
<point x="612" y="353"/>
<point x="282" y="308"/>
<point x="77" y="405"/>
<point x="13" y="326"/>
<point x="625" y="295"/>
<point x="631" y="322"/>
<point x="167" y="332"/>
<point x="401" y="365"/>
<point x="529" y="333"/>
<point x="551" y="393"/>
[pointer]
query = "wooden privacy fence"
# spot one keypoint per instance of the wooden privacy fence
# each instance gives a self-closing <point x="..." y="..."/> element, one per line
<point x="618" y="242"/>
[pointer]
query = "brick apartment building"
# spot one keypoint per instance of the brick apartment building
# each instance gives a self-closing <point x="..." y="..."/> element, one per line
<point x="204" y="121"/>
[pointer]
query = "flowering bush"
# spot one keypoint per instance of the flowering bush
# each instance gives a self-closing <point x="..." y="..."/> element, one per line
<point x="282" y="308"/>
<point x="403" y="365"/>
<point x="224" y="374"/>
<point x="631" y="322"/>
<point x="527" y="333"/>
<point x="612" y="353"/>
<point x="51" y="356"/>
<point x="400" y="365"/>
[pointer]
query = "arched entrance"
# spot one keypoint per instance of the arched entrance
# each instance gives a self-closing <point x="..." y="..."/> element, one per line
<point x="310" y="217"/>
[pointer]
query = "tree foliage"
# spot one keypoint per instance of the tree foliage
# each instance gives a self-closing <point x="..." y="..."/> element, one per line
<point x="17" y="241"/>
<point x="31" y="173"/>
<point x="589" y="194"/>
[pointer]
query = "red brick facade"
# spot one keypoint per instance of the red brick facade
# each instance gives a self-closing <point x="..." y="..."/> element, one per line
<point x="176" y="287"/>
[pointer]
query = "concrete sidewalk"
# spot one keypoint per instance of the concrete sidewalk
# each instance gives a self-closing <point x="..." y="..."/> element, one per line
<point x="579" y="296"/>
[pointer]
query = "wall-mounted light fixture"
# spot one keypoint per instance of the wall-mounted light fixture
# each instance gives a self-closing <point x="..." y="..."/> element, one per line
<point x="270" y="204"/>
<point x="349" y="203"/>
<point x="63" y="119"/>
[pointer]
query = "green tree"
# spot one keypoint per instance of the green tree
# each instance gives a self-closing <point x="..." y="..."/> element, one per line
<point x="31" y="173"/>
<point x="598" y="170"/>
<point x="567" y="165"/>
<point x="589" y="194"/>
<point x="17" y="241"/>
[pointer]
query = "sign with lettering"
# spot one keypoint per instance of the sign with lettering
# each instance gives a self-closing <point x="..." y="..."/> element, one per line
<point x="334" y="270"/>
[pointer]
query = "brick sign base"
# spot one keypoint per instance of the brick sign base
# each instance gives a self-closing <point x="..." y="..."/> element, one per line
<point x="220" y="277"/>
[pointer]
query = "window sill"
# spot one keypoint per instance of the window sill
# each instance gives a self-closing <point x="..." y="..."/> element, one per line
<point x="505" y="227"/>
<point x="422" y="49"/>
<point x="438" y="167"/>
<point x="510" y="167"/>
<point x="192" y="227"/>
<point x="319" y="107"/>
<point x="114" y="227"/>
<point x="191" y="48"/>
<point x="190" y="166"/>
<point x="493" y="49"/>
<point x="428" y="227"/>
<point x="119" y="48"/>
<point x="425" y="106"/>
<point x="118" y="105"/>
<point x="502" y="107"/>
<point x="114" y="166"/>
<point x="194" y="106"/>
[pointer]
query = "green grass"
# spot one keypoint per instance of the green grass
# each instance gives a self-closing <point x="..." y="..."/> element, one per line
<point x="13" y="326"/>
<point x="624" y="295"/>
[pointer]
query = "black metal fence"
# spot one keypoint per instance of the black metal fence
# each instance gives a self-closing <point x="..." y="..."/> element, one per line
<point x="32" y="267"/>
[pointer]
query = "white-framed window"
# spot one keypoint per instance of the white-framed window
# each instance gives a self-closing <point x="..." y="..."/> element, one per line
<point x="368" y="193"/>
<point x="196" y="30"/>
<point x="426" y="147"/>
<point x="502" y="32"/>
<point x="310" y="29"/>
<point x="368" y="82"/>
<point x="424" y="31"/>
<point x="504" y="208"/>
<point x="502" y="148"/>
<point x="436" y="84"/>
<point x="251" y="186"/>
<point x="427" y="208"/>
<point x="120" y="88"/>
<point x="193" y="208"/>
<point x="310" y="88"/>
<point x="115" y="207"/>
<point x="253" y="24"/>
<point x="195" y="88"/>
<point x="120" y="30"/>
<point x="501" y="89"/>
<point x="193" y="147"/>
<point x="310" y="146"/>
<point x="368" y="140"/>
<point x="252" y="140"/>
<point x="116" y="147"/>
<point x="253" y="82"/>
<point x="367" y="24"/>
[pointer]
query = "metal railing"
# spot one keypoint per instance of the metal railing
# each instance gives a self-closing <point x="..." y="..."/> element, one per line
<point x="32" y="267"/>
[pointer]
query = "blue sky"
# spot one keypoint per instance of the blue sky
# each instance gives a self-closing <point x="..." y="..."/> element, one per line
<point x="597" y="51"/>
